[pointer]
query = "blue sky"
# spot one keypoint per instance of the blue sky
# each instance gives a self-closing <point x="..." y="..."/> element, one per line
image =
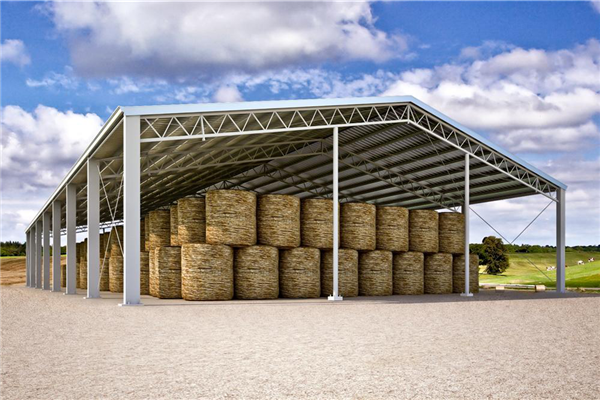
<point x="526" y="75"/>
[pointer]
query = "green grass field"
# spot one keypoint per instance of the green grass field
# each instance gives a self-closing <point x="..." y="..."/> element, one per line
<point x="521" y="271"/>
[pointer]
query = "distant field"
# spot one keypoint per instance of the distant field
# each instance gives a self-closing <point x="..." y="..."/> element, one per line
<point x="521" y="271"/>
<point x="12" y="270"/>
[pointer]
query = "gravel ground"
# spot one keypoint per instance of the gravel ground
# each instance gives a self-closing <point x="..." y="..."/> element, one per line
<point x="513" y="345"/>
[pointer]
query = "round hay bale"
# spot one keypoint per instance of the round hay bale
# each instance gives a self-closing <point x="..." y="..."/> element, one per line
<point x="452" y="233"/>
<point x="191" y="220"/>
<point x="206" y="271"/>
<point x="160" y="229"/>
<point x="256" y="272"/>
<point x="83" y="265"/>
<point x="423" y="231"/>
<point x="117" y="241"/>
<point x="375" y="273"/>
<point x="173" y="226"/>
<point x="347" y="272"/>
<point x="458" y="273"/>
<point x="409" y="273"/>
<point x="144" y="272"/>
<point x="392" y="228"/>
<point x="231" y="217"/>
<point x="115" y="272"/>
<point x="278" y="221"/>
<point x="146" y="233"/>
<point x="357" y="226"/>
<point x="438" y="273"/>
<point x="165" y="276"/>
<point x="300" y="273"/>
<point x="316" y="223"/>
<point x="104" y="260"/>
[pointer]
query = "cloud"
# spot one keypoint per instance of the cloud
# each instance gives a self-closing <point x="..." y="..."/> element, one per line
<point x="160" y="39"/>
<point x="596" y="5"/>
<point x="55" y="79"/>
<point x="14" y="51"/>
<point x="228" y="94"/>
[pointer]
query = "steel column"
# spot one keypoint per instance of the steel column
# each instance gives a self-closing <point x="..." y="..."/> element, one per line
<point x="56" y="272"/>
<point x="93" y="222"/>
<point x="560" y="241"/>
<point x="27" y="258"/>
<point x="38" y="254"/>
<point x="131" y="211"/>
<point x="71" y="238"/>
<point x="46" y="223"/>
<point x="335" y="295"/>
<point x="465" y="210"/>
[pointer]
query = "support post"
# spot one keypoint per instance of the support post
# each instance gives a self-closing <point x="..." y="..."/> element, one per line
<point x="46" y="223"/>
<point x="38" y="254"/>
<point x="93" y="220"/>
<point x="27" y="259"/>
<point x="56" y="220"/>
<point x="33" y="255"/>
<point x="560" y="241"/>
<point x="465" y="210"/>
<point x="131" y="211"/>
<point x="71" y="238"/>
<point x="335" y="296"/>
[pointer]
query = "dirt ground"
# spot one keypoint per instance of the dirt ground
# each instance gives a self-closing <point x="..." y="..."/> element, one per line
<point x="515" y="345"/>
<point x="12" y="270"/>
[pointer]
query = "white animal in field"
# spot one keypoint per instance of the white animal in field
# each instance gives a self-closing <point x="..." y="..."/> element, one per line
<point x="580" y="262"/>
<point x="591" y="259"/>
<point x="550" y="268"/>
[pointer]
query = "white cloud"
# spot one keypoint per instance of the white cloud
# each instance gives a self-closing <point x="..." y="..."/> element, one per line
<point x="14" y="51"/>
<point x="55" y="79"/>
<point x="228" y="94"/>
<point x="596" y="5"/>
<point x="114" y="38"/>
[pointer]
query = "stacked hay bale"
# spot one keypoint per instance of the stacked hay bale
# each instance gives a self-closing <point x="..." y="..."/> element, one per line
<point x="174" y="226"/>
<point x="423" y="231"/>
<point x="409" y="273"/>
<point x="392" y="228"/>
<point x="115" y="262"/>
<point x="146" y="246"/>
<point x="231" y="217"/>
<point x="77" y="263"/>
<point x="452" y="233"/>
<point x="357" y="226"/>
<point x="104" y="260"/>
<point x="458" y="273"/>
<point x="375" y="273"/>
<point x="83" y="265"/>
<point x="278" y="221"/>
<point x="191" y="220"/>
<point x="144" y="272"/>
<point x="143" y="235"/>
<point x="160" y="229"/>
<point x="438" y="273"/>
<point x="299" y="273"/>
<point x="347" y="272"/>
<point x="63" y="275"/>
<point x="256" y="272"/>
<point x="206" y="271"/>
<point x="165" y="272"/>
<point x="317" y="223"/>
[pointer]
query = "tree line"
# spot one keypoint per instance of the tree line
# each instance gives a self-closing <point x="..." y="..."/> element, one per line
<point x="15" y="249"/>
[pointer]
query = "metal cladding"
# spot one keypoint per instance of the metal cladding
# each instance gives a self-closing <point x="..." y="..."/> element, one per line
<point x="160" y="229"/>
<point x="317" y="223"/>
<point x="452" y="233"/>
<point x="409" y="273"/>
<point x="191" y="220"/>
<point x="357" y="226"/>
<point x="256" y="272"/>
<point x="300" y="273"/>
<point x="458" y="273"/>
<point x="392" y="228"/>
<point x="206" y="272"/>
<point x="347" y="272"/>
<point x="231" y="217"/>
<point x="423" y="231"/>
<point x="165" y="272"/>
<point x="375" y="273"/>
<point x="438" y="273"/>
<point x="278" y="221"/>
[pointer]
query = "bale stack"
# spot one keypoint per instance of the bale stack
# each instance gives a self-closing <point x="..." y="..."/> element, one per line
<point x="256" y="272"/>
<point x="116" y="240"/>
<point x="316" y="219"/>
<point x="438" y="273"/>
<point x="83" y="265"/>
<point x="231" y="217"/>
<point x="357" y="226"/>
<point x="165" y="274"/>
<point x="392" y="228"/>
<point x="174" y="226"/>
<point x="104" y="260"/>
<point x="409" y="273"/>
<point x="452" y="233"/>
<point x="278" y="221"/>
<point x="77" y="263"/>
<point x="144" y="272"/>
<point x="347" y="272"/>
<point x="375" y="273"/>
<point x="458" y="273"/>
<point x="300" y="273"/>
<point x="191" y="220"/>
<point x="206" y="272"/>
<point x="160" y="229"/>
<point x="143" y="234"/>
<point x="423" y="231"/>
<point x="146" y="246"/>
<point x="63" y="275"/>
<point x="115" y="272"/>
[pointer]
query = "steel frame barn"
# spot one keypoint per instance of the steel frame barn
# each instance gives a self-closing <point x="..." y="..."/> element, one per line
<point x="388" y="150"/>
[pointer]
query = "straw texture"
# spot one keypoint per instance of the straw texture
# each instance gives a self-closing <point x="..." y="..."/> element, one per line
<point x="375" y="273"/>
<point x="83" y="265"/>
<point x="423" y="231"/>
<point x="317" y="223"/>
<point x="392" y="228"/>
<point x="117" y="240"/>
<point x="144" y="272"/>
<point x="191" y="220"/>
<point x="278" y="221"/>
<point x="104" y="260"/>
<point x="458" y="273"/>
<point x="77" y="263"/>
<point x="347" y="272"/>
<point x="174" y="226"/>
<point x="231" y="217"/>
<point x="438" y="273"/>
<point x="256" y="272"/>
<point x="452" y="233"/>
<point x="409" y="273"/>
<point x="160" y="229"/>
<point x="147" y="233"/>
<point x="357" y="226"/>
<point x="300" y="273"/>
<point x="115" y="272"/>
<point x="143" y="235"/>
<point x="206" y="272"/>
<point x="63" y="275"/>
<point x="165" y="274"/>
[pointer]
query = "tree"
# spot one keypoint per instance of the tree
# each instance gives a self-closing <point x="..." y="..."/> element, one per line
<point x="494" y="255"/>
